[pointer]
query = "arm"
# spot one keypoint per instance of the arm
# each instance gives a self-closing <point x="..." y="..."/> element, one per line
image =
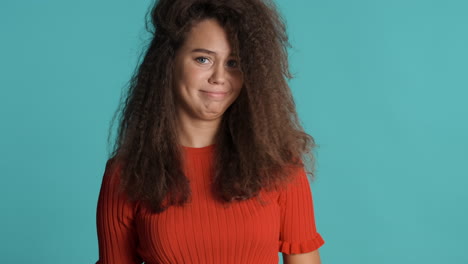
<point x="304" y="258"/>
<point x="116" y="232"/>
<point x="299" y="240"/>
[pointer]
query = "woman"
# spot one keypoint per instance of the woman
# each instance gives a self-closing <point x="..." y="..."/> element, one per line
<point x="208" y="162"/>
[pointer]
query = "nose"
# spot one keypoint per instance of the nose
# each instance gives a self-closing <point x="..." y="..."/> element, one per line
<point x="218" y="75"/>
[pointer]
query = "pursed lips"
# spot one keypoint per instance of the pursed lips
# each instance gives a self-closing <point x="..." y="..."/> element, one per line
<point x="215" y="95"/>
<point x="214" y="92"/>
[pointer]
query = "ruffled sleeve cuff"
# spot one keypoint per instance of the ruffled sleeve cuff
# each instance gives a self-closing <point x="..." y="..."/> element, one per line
<point x="301" y="247"/>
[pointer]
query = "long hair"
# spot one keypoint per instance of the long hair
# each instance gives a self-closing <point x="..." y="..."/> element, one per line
<point x="260" y="137"/>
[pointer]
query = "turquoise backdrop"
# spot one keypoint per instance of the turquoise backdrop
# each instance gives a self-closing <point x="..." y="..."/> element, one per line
<point x="381" y="86"/>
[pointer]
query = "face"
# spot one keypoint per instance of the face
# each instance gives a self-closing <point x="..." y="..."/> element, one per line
<point x="207" y="76"/>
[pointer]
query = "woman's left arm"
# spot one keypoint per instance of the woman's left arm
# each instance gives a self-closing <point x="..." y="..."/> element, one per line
<point x="304" y="258"/>
<point x="299" y="240"/>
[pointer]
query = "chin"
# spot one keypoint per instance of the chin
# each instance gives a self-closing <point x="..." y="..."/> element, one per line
<point x="212" y="116"/>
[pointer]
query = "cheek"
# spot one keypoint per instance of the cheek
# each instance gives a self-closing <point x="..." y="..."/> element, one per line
<point x="238" y="78"/>
<point x="237" y="87"/>
<point x="238" y="83"/>
<point x="193" y="77"/>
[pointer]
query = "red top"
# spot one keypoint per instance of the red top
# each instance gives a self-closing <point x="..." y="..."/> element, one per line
<point x="203" y="231"/>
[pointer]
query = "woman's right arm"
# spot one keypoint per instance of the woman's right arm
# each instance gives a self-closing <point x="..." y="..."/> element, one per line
<point x="117" y="237"/>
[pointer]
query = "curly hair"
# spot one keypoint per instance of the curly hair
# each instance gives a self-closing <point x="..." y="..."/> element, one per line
<point x="260" y="137"/>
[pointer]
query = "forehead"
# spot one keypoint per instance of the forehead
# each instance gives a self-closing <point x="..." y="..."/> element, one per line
<point x="209" y="35"/>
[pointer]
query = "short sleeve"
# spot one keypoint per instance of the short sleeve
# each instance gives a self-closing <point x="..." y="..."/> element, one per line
<point x="298" y="232"/>
<point x="117" y="237"/>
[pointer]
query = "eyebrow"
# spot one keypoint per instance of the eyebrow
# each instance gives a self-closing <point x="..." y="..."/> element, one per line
<point x="209" y="52"/>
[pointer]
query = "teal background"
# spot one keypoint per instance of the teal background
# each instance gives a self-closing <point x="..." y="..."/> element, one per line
<point x="380" y="85"/>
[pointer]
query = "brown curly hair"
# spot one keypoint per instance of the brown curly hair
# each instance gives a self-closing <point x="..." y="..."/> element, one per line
<point x="260" y="136"/>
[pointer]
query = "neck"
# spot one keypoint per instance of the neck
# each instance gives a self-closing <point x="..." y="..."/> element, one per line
<point x="197" y="133"/>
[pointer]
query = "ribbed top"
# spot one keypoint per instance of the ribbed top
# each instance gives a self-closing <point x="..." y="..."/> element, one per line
<point x="197" y="151"/>
<point x="205" y="231"/>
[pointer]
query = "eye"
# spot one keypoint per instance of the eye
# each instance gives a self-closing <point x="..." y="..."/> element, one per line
<point x="232" y="63"/>
<point x="202" y="60"/>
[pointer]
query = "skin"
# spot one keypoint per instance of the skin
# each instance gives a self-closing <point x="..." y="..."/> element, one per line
<point x="204" y="64"/>
<point x="304" y="258"/>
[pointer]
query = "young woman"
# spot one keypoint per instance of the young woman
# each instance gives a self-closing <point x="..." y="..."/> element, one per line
<point x="208" y="164"/>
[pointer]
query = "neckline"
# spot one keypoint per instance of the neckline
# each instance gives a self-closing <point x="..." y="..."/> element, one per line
<point x="202" y="150"/>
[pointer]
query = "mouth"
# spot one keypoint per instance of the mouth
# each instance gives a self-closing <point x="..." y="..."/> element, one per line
<point x="215" y="94"/>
